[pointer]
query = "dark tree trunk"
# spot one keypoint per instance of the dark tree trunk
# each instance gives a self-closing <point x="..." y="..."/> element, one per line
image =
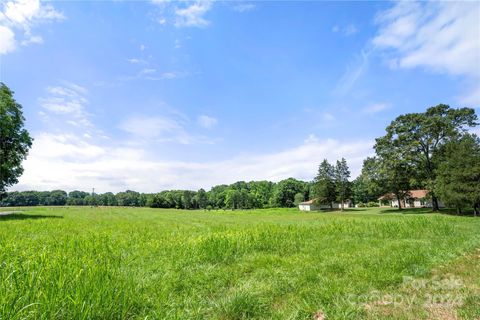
<point x="399" y="202"/>
<point x="435" y="203"/>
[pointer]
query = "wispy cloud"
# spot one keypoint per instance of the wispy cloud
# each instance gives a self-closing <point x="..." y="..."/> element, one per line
<point x="442" y="37"/>
<point x="172" y="127"/>
<point x="375" y="108"/>
<point x="182" y="14"/>
<point x="68" y="100"/>
<point x="136" y="61"/>
<point x="17" y="19"/>
<point x="154" y="75"/>
<point x="193" y="15"/>
<point x="206" y="121"/>
<point x="354" y="71"/>
<point x="244" y="7"/>
<point x="347" y="30"/>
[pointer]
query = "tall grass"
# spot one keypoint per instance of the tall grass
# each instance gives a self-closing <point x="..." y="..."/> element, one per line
<point x="121" y="263"/>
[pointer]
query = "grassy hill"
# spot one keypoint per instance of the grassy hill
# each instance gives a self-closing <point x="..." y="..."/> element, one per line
<point x="78" y="262"/>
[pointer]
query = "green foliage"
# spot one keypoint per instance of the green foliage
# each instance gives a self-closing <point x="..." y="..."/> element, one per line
<point x="141" y="263"/>
<point x="458" y="182"/>
<point x="410" y="148"/>
<point x="14" y="139"/>
<point x="285" y="191"/>
<point x="342" y="185"/>
<point x="372" y="204"/>
<point x="395" y="169"/>
<point x="299" y="197"/>
<point x="370" y="184"/>
<point x="324" y="184"/>
<point x="202" y="199"/>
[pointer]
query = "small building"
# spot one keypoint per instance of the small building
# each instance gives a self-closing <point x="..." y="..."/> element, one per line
<point x="311" y="206"/>
<point x="414" y="199"/>
<point x="308" y="206"/>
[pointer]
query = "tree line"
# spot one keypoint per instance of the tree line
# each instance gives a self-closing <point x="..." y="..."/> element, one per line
<point x="239" y="195"/>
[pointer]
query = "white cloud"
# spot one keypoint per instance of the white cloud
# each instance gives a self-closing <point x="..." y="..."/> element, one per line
<point x="354" y="71"/>
<point x="328" y="117"/>
<point x="21" y="12"/>
<point x="375" y="108"/>
<point x="206" y="121"/>
<point x="69" y="101"/>
<point x="166" y="128"/>
<point x="193" y="15"/>
<point x="347" y="30"/>
<point x="311" y="139"/>
<point x="7" y="40"/>
<point x="442" y="37"/>
<point x="21" y="16"/>
<point x="134" y="60"/>
<point x="73" y="162"/>
<point x="170" y="75"/>
<point x="32" y="40"/>
<point x="178" y="45"/>
<point x="150" y="127"/>
<point x="154" y="75"/>
<point x="244" y="7"/>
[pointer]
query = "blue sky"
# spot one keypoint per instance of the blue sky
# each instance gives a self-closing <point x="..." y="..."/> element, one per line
<point x="166" y="94"/>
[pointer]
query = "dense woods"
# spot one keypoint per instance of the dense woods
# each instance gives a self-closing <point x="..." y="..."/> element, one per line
<point x="239" y="195"/>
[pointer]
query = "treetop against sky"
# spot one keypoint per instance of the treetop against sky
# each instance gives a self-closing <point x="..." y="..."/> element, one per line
<point x="177" y="95"/>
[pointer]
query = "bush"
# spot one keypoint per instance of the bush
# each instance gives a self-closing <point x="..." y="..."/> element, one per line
<point x="372" y="204"/>
<point x="361" y="205"/>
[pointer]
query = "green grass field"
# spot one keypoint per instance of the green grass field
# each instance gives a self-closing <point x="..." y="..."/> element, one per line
<point x="109" y="263"/>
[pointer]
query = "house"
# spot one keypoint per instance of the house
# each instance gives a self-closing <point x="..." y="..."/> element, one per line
<point x="308" y="206"/>
<point x="414" y="199"/>
<point x="311" y="206"/>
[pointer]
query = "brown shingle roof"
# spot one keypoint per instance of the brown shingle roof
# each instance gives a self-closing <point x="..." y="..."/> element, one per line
<point x="414" y="194"/>
<point x="307" y="202"/>
<point x="418" y="194"/>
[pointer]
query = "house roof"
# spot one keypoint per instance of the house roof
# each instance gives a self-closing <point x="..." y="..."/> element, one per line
<point x="414" y="194"/>
<point x="307" y="202"/>
<point x="387" y="196"/>
<point x="418" y="194"/>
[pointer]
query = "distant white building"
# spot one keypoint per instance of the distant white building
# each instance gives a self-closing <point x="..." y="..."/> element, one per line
<point x="415" y="199"/>
<point x="311" y="206"/>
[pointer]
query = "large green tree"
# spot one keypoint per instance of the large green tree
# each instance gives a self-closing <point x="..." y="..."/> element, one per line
<point x="417" y="138"/>
<point x="458" y="175"/>
<point x="395" y="169"/>
<point x="285" y="191"/>
<point x="324" y="184"/>
<point x="342" y="185"/>
<point x="370" y="184"/>
<point x="14" y="139"/>
<point x="202" y="199"/>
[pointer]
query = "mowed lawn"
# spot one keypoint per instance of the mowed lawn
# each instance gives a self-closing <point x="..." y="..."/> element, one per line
<point x="121" y="263"/>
